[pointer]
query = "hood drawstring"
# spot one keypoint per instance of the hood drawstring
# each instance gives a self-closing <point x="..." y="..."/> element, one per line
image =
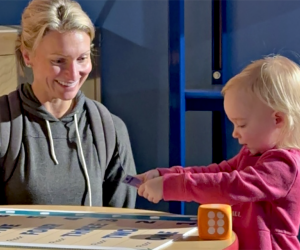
<point x="83" y="161"/>
<point x="80" y="151"/>
<point x="51" y="143"/>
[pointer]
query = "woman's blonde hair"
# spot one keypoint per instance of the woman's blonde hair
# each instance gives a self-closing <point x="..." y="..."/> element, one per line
<point x="276" y="81"/>
<point x="41" y="16"/>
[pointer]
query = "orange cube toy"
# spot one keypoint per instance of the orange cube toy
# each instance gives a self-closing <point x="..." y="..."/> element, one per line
<point x="214" y="221"/>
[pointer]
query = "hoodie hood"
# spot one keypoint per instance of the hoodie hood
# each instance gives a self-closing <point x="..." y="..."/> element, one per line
<point x="33" y="105"/>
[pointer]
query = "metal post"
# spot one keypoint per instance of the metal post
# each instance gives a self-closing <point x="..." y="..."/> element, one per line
<point x="176" y="91"/>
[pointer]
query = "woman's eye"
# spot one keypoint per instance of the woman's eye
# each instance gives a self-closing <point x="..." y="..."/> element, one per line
<point x="241" y="126"/>
<point x="58" y="61"/>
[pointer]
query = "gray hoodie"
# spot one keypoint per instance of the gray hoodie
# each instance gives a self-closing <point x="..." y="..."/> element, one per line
<point x="59" y="163"/>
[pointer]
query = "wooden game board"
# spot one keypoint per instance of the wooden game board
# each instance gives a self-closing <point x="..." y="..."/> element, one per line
<point x="85" y="230"/>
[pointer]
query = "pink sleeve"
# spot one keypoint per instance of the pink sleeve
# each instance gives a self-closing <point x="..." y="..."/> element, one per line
<point x="224" y="166"/>
<point x="270" y="178"/>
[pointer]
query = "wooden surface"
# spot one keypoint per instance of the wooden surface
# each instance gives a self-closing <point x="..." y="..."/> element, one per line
<point x="191" y="242"/>
<point x="9" y="71"/>
<point x="8" y="74"/>
<point x="8" y="36"/>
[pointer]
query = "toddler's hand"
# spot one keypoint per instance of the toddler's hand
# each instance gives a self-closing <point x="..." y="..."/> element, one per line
<point x="151" y="174"/>
<point x="152" y="189"/>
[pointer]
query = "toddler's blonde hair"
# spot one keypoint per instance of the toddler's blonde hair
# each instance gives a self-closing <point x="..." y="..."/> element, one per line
<point x="276" y="81"/>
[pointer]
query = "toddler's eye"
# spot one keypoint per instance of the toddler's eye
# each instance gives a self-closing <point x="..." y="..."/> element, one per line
<point x="241" y="126"/>
<point x="81" y="59"/>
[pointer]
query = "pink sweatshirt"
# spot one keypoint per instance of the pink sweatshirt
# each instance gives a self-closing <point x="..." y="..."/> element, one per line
<point x="264" y="192"/>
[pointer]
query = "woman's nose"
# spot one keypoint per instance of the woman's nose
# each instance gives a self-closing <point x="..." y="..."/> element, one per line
<point x="72" y="71"/>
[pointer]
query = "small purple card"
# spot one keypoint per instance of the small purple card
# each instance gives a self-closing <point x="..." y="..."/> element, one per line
<point x="132" y="181"/>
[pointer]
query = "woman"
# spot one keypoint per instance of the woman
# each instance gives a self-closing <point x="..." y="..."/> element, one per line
<point x="57" y="146"/>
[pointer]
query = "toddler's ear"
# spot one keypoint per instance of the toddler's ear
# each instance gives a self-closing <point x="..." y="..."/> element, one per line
<point x="279" y="118"/>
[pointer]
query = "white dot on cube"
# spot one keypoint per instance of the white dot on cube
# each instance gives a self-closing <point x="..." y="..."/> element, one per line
<point x="220" y="215"/>
<point x="220" y="223"/>
<point x="211" y="215"/>
<point x="220" y="230"/>
<point x="211" y="222"/>
<point x="211" y="230"/>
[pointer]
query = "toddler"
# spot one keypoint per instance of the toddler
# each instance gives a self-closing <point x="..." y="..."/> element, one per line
<point x="261" y="182"/>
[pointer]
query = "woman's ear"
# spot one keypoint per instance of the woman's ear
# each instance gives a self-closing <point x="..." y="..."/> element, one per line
<point x="279" y="118"/>
<point x="26" y="57"/>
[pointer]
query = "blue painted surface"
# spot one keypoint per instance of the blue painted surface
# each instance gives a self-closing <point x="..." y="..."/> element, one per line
<point x="182" y="100"/>
<point x="258" y="28"/>
<point x="176" y="91"/>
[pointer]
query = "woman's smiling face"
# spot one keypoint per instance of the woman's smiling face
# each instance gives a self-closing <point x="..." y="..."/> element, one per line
<point x="61" y="63"/>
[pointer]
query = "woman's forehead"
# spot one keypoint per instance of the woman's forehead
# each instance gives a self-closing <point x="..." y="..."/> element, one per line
<point x="55" y="42"/>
